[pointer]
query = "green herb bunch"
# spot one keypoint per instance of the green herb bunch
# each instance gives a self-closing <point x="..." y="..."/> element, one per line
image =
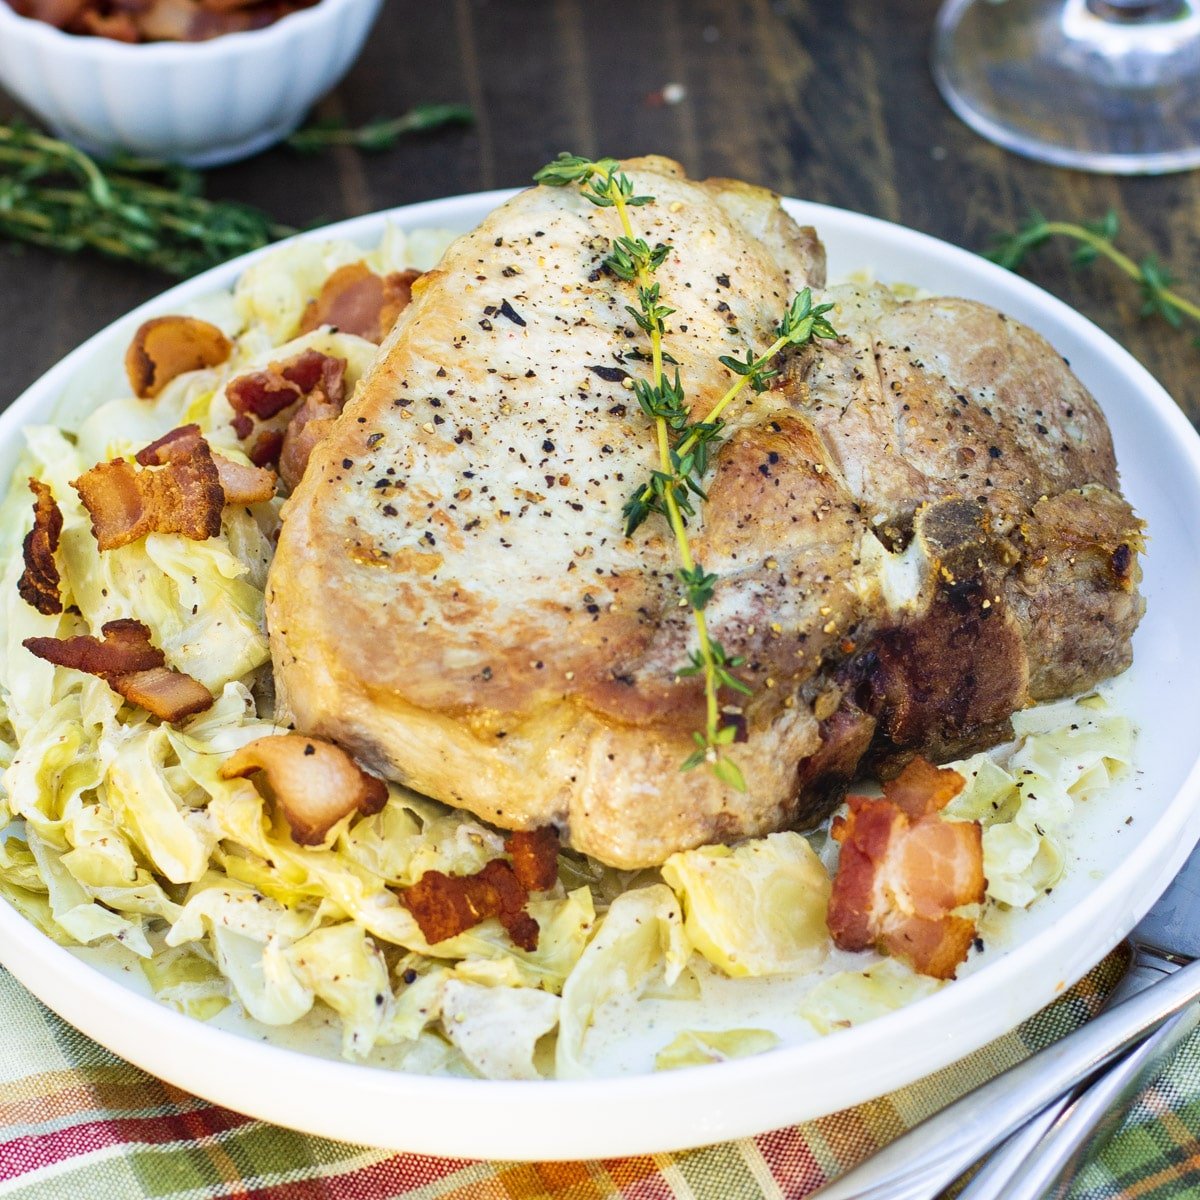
<point x="146" y="212"/>
<point x="152" y="213"/>
<point x="684" y="446"/>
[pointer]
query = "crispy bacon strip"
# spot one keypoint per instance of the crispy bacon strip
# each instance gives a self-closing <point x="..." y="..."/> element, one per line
<point x="125" y="649"/>
<point x="131" y="665"/>
<point x="903" y="870"/>
<point x="125" y="504"/>
<point x="39" y="581"/>
<point x="313" y="369"/>
<point x="315" y="783"/>
<point x="54" y="12"/>
<point x="169" y="695"/>
<point x="356" y="300"/>
<point x="534" y="857"/>
<point x="241" y="484"/>
<point x="267" y="392"/>
<point x="166" y="347"/>
<point x="447" y="905"/>
<point x="177" y="445"/>
<point x="921" y="789"/>
<point x="183" y="490"/>
<point x="267" y="448"/>
<point x="261" y="394"/>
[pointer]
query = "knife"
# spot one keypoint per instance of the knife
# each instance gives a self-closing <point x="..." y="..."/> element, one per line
<point x="1044" y="1158"/>
<point x="917" y="1165"/>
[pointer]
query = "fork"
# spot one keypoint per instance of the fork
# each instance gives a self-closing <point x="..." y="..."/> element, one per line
<point x="918" y="1165"/>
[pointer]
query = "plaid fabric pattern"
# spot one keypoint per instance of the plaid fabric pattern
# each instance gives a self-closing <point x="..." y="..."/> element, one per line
<point x="77" y="1122"/>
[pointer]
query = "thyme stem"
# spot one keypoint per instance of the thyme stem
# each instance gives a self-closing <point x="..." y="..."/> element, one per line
<point x="1094" y="240"/>
<point x="381" y="134"/>
<point x="634" y="261"/>
<point x="675" y="517"/>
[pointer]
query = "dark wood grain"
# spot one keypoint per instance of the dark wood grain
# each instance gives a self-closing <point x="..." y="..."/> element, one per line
<point x="833" y="102"/>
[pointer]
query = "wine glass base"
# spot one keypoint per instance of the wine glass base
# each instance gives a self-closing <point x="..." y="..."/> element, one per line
<point x="1062" y="84"/>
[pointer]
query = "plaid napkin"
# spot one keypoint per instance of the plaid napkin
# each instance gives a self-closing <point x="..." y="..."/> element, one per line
<point x="79" y="1123"/>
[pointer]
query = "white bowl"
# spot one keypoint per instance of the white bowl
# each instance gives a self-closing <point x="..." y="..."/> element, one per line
<point x="199" y="103"/>
<point x="1127" y="844"/>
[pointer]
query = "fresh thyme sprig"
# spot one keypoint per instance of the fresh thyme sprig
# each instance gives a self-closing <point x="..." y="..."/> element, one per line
<point x="55" y="195"/>
<point x="689" y="459"/>
<point x="634" y="261"/>
<point x="380" y="134"/>
<point x="683" y="446"/>
<point x="1095" y="239"/>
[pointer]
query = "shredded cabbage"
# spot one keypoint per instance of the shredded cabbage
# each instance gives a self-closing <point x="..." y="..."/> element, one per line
<point x="1065" y="753"/>
<point x="641" y="938"/>
<point x="497" y="1029"/>
<point x="852" y="997"/>
<point x="695" y="1047"/>
<point x="757" y="909"/>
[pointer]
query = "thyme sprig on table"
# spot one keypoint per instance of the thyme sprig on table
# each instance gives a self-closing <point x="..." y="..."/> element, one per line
<point x="1095" y="240"/>
<point x="55" y="195"/>
<point x="380" y="134"/>
<point x="152" y="213"/>
<point x="684" y="446"/>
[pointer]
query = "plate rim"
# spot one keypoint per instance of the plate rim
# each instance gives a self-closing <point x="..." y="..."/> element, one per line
<point x="626" y="1114"/>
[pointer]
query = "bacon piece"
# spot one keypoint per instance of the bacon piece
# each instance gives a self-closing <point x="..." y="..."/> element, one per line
<point x="242" y="484"/>
<point x="903" y="870"/>
<point x="316" y="379"/>
<point x="262" y="394"/>
<point x="117" y="26"/>
<point x="59" y="13"/>
<point x="184" y="496"/>
<point x="311" y="424"/>
<point x="267" y="392"/>
<point x="39" y="581"/>
<point x="447" y="905"/>
<point x="312" y="369"/>
<point x="174" y="446"/>
<point x="167" y="694"/>
<point x="267" y="448"/>
<point x="922" y="789"/>
<point x="534" y="857"/>
<point x="131" y="665"/>
<point x="158" y="20"/>
<point x="315" y="783"/>
<point x="166" y="347"/>
<point x="125" y="649"/>
<point x="356" y="300"/>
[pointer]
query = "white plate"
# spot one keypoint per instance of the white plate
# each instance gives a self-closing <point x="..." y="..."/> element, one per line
<point x="1122" y="867"/>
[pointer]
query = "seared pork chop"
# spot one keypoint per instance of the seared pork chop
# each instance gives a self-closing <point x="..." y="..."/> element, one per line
<point x="917" y="531"/>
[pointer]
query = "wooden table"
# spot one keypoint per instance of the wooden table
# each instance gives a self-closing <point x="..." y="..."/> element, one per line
<point x="828" y="101"/>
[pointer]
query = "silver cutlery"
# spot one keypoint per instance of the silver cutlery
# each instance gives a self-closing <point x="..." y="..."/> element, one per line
<point x="1043" y="1158"/>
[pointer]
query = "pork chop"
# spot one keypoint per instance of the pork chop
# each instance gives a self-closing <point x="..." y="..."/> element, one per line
<point x="917" y="531"/>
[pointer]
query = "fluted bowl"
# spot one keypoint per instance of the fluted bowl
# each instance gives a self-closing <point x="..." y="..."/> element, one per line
<point x="196" y="103"/>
